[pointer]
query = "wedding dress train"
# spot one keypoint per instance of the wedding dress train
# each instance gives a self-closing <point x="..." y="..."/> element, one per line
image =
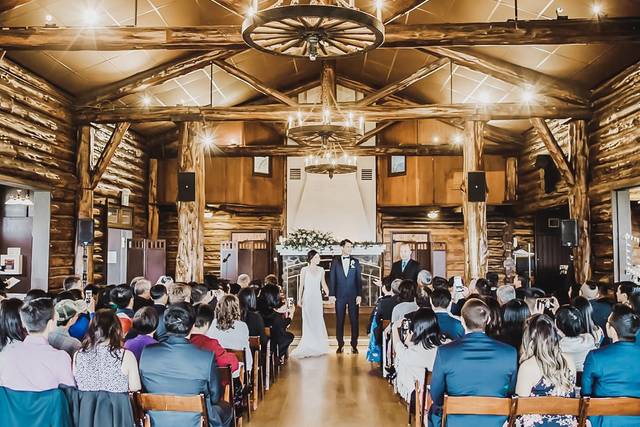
<point x="314" y="341"/>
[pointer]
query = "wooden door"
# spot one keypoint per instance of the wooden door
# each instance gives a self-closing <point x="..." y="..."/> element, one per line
<point x="551" y="256"/>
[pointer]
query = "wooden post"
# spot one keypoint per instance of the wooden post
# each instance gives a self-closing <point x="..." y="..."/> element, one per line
<point x="328" y="84"/>
<point x="84" y="198"/>
<point x="475" y="213"/>
<point x="153" y="220"/>
<point x="579" y="199"/>
<point x="511" y="179"/>
<point x="190" y="257"/>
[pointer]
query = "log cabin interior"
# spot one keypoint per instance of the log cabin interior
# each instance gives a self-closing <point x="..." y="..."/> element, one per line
<point x="190" y="138"/>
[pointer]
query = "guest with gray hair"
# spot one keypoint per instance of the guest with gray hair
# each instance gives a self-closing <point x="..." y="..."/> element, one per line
<point x="505" y="293"/>
<point x="244" y="280"/>
<point x="142" y="294"/>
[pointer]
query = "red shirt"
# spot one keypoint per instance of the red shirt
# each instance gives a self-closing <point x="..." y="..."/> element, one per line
<point x="223" y="358"/>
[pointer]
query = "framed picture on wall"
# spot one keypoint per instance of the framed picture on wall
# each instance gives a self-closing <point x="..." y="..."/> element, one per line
<point x="262" y="166"/>
<point x="397" y="165"/>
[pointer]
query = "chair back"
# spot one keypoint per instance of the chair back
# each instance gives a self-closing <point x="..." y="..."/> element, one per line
<point x="267" y="332"/>
<point x="544" y="405"/>
<point x="225" y="375"/>
<point x="175" y="403"/>
<point x="475" y="405"/>
<point x="611" y="406"/>
<point x="385" y="324"/>
<point x="255" y="344"/>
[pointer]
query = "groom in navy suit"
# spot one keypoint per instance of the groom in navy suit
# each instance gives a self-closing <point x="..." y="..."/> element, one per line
<point x="345" y="288"/>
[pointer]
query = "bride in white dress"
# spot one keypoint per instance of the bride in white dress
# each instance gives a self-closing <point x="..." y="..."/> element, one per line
<point x="314" y="341"/>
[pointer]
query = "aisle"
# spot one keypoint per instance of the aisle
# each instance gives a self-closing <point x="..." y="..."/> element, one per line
<point x="335" y="390"/>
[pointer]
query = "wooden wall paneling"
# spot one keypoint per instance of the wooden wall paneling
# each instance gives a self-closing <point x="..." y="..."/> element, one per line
<point x="495" y="167"/>
<point x="511" y="179"/>
<point x="447" y="175"/>
<point x="415" y="188"/>
<point x="168" y="231"/>
<point x="168" y="180"/>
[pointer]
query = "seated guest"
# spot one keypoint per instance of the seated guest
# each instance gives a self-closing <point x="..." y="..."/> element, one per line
<point x="142" y="298"/>
<point x="271" y="279"/>
<point x="35" y="294"/>
<point x="11" y="328"/>
<point x="586" y="313"/>
<point x="249" y="314"/>
<point x="406" y="300"/>
<point x="229" y="330"/>
<point x="492" y="277"/>
<point x="122" y="298"/>
<point x="520" y="281"/>
<point x="574" y="343"/>
<point x="280" y="337"/>
<point x="424" y="290"/>
<point x="179" y="292"/>
<point x="531" y="296"/>
<point x="483" y="287"/>
<point x="613" y="370"/>
<point x="204" y="318"/>
<point x="193" y="371"/>
<point x="160" y="298"/>
<point x="33" y="364"/>
<point x="144" y="324"/>
<point x="474" y="365"/>
<point x="514" y="314"/>
<point x="66" y="314"/>
<point x="102" y="364"/>
<point x="72" y="282"/>
<point x="505" y="293"/>
<point x="495" y="317"/>
<point x="415" y="349"/>
<point x="200" y="294"/>
<point x="405" y="267"/>
<point x="544" y="371"/>
<point x="386" y="303"/>
<point x="600" y="305"/>
<point x="244" y="280"/>
<point x="450" y="326"/>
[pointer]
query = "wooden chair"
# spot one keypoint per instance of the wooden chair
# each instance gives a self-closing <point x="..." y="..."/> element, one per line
<point x="475" y="405"/>
<point x="609" y="406"/>
<point x="544" y="405"/>
<point x="167" y="402"/>
<point x="226" y="377"/>
<point x="274" y="356"/>
<point x="257" y="380"/>
<point x="138" y="416"/>
<point x="244" y="377"/>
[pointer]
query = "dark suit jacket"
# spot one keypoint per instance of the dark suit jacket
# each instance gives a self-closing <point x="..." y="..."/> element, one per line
<point x="450" y="326"/>
<point x="410" y="271"/>
<point x="613" y="371"/>
<point x="345" y="287"/>
<point x="175" y="366"/>
<point x="474" y="365"/>
<point x="601" y="311"/>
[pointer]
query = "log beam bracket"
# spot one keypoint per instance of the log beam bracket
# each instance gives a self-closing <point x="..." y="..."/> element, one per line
<point x="107" y="153"/>
<point x="554" y="149"/>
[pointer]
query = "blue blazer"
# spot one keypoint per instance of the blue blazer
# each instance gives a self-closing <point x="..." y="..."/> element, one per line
<point x="345" y="287"/>
<point x="474" y="365"/>
<point x="450" y="326"/>
<point x="613" y="371"/>
<point x="175" y="366"/>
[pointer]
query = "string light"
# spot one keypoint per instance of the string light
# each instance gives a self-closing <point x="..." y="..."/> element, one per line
<point x="433" y="214"/>
<point x="48" y="18"/>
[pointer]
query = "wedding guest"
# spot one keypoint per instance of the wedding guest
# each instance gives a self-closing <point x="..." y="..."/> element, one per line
<point x="416" y="350"/>
<point x="142" y="298"/>
<point x="405" y="267"/>
<point x="597" y="296"/>
<point x="200" y="294"/>
<point x="450" y="325"/>
<point x="625" y="292"/>
<point x="72" y="282"/>
<point x="280" y="337"/>
<point x="271" y="279"/>
<point x="193" y="371"/>
<point x="231" y="332"/>
<point x="386" y="303"/>
<point x="586" y="313"/>
<point x="514" y="314"/>
<point x="483" y="287"/>
<point x="495" y="317"/>
<point x="406" y="300"/>
<point x="103" y="364"/>
<point x="66" y="313"/>
<point x="613" y="370"/>
<point x="505" y="293"/>
<point x="474" y="365"/>
<point x="249" y="314"/>
<point x="574" y="343"/>
<point x="204" y="318"/>
<point x="544" y="371"/>
<point x="33" y="364"/>
<point x="244" y="280"/>
<point x="160" y="298"/>
<point x="145" y="322"/>
<point x="122" y="298"/>
<point x="179" y="292"/>
<point x="35" y="294"/>
<point x="11" y="328"/>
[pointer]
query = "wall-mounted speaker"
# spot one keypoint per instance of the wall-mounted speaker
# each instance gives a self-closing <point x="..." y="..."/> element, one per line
<point x="476" y="187"/>
<point x="187" y="187"/>
<point x="569" y="233"/>
<point x="85" y="231"/>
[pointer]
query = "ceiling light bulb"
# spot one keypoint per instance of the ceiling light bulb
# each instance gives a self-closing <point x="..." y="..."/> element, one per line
<point x="251" y="12"/>
<point x="433" y="214"/>
<point x="457" y="139"/>
<point x="436" y="138"/>
<point x="48" y="18"/>
<point x="90" y="17"/>
<point x="146" y="100"/>
<point x="528" y="95"/>
<point x="207" y="140"/>
<point x="596" y="9"/>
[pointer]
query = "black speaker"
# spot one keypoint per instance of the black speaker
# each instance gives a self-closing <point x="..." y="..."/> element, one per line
<point x="569" y="233"/>
<point x="187" y="187"/>
<point x="477" y="187"/>
<point x="85" y="231"/>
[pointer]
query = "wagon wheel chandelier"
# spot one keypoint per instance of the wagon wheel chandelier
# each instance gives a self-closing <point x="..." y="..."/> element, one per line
<point x="330" y="159"/>
<point x="314" y="31"/>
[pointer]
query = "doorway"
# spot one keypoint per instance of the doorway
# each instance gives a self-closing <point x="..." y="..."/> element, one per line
<point x="626" y="234"/>
<point x="117" y="255"/>
<point x="552" y="259"/>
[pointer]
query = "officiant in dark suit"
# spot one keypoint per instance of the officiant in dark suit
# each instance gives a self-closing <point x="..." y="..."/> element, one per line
<point x="345" y="288"/>
<point x="405" y="267"/>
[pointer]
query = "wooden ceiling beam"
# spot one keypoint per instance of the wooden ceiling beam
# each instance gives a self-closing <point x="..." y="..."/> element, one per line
<point x="233" y="6"/>
<point x="554" y="149"/>
<point x="8" y="5"/>
<point x="153" y="77"/>
<point x="392" y="10"/>
<point x="373" y="132"/>
<point x="395" y="87"/>
<point x="107" y="153"/>
<point x="291" y="92"/>
<point x="211" y="37"/>
<point x="254" y="82"/>
<point x="513" y="74"/>
<point x="278" y="113"/>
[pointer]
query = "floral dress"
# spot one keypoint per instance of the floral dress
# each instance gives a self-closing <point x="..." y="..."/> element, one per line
<point x="544" y="388"/>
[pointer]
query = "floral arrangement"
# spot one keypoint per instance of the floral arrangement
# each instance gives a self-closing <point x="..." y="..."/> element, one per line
<point x="303" y="238"/>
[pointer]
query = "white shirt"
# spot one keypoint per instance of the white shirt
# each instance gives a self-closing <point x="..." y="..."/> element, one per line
<point x="234" y="338"/>
<point x="401" y="309"/>
<point x="346" y="263"/>
<point x="410" y="365"/>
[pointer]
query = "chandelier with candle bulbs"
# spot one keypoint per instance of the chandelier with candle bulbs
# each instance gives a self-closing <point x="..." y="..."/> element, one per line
<point x="315" y="30"/>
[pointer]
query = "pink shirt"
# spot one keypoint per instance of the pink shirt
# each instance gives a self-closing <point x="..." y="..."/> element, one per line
<point x="33" y="365"/>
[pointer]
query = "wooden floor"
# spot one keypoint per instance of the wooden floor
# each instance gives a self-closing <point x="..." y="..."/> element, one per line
<point x="334" y="390"/>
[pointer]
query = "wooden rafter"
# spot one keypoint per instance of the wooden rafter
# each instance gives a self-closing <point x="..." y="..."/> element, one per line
<point x="373" y="132"/>
<point x="237" y="7"/>
<point x="554" y="149"/>
<point x="107" y="153"/>
<point x="228" y="37"/>
<point x="281" y="113"/>
<point x="254" y="82"/>
<point x="145" y="79"/>
<point x="513" y="74"/>
<point x="393" y="10"/>
<point x="8" y="5"/>
<point x="395" y="87"/>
